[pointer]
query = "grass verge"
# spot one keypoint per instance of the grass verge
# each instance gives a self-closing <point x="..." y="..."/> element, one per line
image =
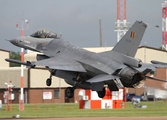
<point x="158" y="108"/>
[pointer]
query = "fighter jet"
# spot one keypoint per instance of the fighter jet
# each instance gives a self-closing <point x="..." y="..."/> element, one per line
<point x="80" y="68"/>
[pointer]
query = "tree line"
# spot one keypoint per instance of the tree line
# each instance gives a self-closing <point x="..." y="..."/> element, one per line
<point x="16" y="56"/>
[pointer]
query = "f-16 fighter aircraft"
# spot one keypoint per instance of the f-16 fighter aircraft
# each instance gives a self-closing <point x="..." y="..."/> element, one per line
<point x="88" y="70"/>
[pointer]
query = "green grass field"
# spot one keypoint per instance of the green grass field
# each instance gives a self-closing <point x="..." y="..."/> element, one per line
<point x="158" y="108"/>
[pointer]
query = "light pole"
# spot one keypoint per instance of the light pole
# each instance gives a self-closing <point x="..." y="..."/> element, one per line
<point x="21" y="99"/>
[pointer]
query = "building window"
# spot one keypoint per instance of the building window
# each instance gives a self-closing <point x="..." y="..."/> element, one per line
<point x="56" y="93"/>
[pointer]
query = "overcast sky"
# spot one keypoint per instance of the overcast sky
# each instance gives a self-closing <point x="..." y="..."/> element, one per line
<point x="78" y="20"/>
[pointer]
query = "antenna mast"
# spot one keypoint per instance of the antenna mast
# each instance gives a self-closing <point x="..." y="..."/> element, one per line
<point x="100" y="32"/>
<point x="121" y="25"/>
<point x="164" y="25"/>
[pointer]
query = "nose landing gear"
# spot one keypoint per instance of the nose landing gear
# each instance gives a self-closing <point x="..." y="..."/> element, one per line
<point x="49" y="81"/>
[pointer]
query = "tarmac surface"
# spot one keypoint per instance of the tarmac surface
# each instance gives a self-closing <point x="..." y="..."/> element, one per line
<point x="97" y="118"/>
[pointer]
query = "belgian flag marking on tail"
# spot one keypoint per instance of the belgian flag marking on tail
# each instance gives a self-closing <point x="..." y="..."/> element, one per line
<point x="132" y="34"/>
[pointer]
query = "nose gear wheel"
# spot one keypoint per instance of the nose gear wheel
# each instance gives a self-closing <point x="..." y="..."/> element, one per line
<point x="49" y="82"/>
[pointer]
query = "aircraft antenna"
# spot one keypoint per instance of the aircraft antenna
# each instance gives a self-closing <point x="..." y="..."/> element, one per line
<point x="164" y="25"/>
<point x="121" y="25"/>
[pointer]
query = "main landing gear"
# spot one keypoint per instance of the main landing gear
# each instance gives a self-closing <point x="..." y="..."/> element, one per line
<point x="102" y="93"/>
<point x="49" y="80"/>
<point x="69" y="92"/>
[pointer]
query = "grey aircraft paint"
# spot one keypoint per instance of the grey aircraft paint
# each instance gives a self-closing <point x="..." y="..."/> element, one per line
<point x="84" y="69"/>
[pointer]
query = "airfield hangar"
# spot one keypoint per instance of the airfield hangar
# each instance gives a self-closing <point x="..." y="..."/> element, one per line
<point x="36" y="91"/>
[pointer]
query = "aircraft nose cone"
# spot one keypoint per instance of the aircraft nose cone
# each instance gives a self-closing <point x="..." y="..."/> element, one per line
<point x="13" y="41"/>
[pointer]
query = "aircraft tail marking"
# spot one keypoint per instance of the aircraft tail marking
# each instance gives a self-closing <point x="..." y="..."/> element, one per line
<point x="132" y="34"/>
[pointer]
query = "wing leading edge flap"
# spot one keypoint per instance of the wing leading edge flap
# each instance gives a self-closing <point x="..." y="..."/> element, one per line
<point x="101" y="78"/>
<point x="61" y="64"/>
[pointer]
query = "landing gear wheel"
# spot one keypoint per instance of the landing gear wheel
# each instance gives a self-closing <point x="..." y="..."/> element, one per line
<point x="69" y="92"/>
<point x="49" y="82"/>
<point x="102" y="93"/>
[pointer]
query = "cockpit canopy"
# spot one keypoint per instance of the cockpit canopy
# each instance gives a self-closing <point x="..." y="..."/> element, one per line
<point x="44" y="33"/>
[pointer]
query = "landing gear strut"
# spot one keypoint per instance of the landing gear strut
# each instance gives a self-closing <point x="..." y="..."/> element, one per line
<point x="69" y="92"/>
<point x="102" y="93"/>
<point x="49" y="80"/>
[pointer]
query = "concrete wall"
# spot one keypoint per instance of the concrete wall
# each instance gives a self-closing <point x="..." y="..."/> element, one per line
<point x="38" y="79"/>
<point x="30" y="56"/>
<point x="4" y="54"/>
<point x="37" y="96"/>
<point x="12" y="74"/>
<point x="99" y="49"/>
<point x="146" y="54"/>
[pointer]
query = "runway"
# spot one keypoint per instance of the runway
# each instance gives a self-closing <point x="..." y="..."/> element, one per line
<point x="97" y="118"/>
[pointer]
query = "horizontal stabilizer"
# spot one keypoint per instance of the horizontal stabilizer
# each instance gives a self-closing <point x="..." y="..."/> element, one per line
<point x="102" y="77"/>
<point x="157" y="62"/>
<point x="156" y="79"/>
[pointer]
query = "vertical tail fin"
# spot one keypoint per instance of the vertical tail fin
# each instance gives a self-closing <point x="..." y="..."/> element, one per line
<point x="130" y="42"/>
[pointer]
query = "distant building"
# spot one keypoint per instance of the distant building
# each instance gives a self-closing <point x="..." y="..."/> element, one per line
<point x="4" y="54"/>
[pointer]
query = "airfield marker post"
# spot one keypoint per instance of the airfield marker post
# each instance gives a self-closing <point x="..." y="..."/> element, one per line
<point x="6" y="98"/>
<point x="10" y="95"/>
<point x="21" y="99"/>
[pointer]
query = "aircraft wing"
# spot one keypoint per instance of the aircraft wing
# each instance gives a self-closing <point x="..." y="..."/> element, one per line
<point x="61" y="64"/>
<point x="54" y="63"/>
